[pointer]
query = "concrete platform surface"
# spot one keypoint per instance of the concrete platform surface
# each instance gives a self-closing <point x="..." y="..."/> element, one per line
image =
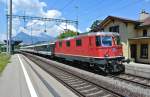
<point x="23" y="78"/>
<point x="138" y="69"/>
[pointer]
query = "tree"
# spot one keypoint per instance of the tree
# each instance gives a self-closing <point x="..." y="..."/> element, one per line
<point x="95" y="26"/>
<point x="68" y="33"/>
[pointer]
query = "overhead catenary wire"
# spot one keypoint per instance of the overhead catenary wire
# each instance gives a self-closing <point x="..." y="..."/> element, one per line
<point x="122" y="7"/>
<point x="100" y="3"/>
<point x="53" y="4"/>
<point x="102" y="6"/>
<point x="66" y="5"/>
<point x="116" y="8"/>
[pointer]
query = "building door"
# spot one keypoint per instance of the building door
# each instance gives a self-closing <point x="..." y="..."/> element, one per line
<point x="133" y="49"/>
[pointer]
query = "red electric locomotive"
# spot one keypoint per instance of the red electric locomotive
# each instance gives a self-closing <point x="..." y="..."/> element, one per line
<point x="99" y="50"/>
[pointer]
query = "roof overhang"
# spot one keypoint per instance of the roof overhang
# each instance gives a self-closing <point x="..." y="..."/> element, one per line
<point x="137" y="38"/>
<point x="112" y="18"/>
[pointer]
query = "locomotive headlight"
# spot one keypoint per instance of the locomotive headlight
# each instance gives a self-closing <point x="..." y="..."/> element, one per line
<point x="121" y="54"/>
<point x="109" y="62"/>
<point x="119" y="62"/>
<point x="106" y="55"/>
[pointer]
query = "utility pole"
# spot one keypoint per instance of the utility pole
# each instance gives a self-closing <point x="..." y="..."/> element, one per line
<point x="7" y="36"/>
<point x="31" y="36"/>
<point x="7" y="27"/>
<point x="77" y="17"/>
<point x="10" y="27"/>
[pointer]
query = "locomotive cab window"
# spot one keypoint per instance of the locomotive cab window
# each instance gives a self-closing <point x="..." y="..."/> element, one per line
<point x="98" y="40"/>
<point x="117" y="40"/>
<point x="60" y="44"/>
<point x="106" y="41"/>
<point x="68" y="43"/>
<point x="78" y="42"/>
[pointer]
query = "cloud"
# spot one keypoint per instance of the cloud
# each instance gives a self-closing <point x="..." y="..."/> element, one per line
<point x="53" y="14"/>
<point x="3" y="36"/>
<point x="30" y="7"/>
<point x="88" y="29"/>
<point x="37" y="8"/>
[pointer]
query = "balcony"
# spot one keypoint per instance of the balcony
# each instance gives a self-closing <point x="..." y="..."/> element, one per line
<point x="140" y="37"/>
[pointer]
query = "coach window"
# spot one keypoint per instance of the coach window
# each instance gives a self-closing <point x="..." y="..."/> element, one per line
<point x="78" y="42"/>
<point x="60" y="44"/>
<point x="68" y="43"/>
<point x="117" y="40"/>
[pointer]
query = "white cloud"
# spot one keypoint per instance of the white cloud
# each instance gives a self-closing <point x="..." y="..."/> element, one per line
<point x="3" y="36"/>
<point x="53" y="14"/>
<point x="36" y="8"/>
<point x="64" y="26"/>
<point x="30" y="7"/>
<point x="88" y="29"/>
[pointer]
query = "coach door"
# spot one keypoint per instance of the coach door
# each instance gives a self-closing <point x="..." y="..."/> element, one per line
<point x="133" y="49"/>
<point x="91" y="46"/>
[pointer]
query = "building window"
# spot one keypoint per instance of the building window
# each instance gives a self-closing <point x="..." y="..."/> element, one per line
<point x="144" y="33"/>
<point x="68" y="43"/>
<point x="60" y="44"/>
<point x="114" y="29"/>
<point x="102" y="30"/>
<point x="78" y="42"/>
<point x="144" y="51"/>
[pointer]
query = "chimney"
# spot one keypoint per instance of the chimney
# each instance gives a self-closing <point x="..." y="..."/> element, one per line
<point x="143" y="15"/>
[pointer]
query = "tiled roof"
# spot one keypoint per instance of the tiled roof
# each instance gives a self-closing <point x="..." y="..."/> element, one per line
<point x="124" y="19"/>
<point x="119" y="18"/>
<point x="146" y="22"/>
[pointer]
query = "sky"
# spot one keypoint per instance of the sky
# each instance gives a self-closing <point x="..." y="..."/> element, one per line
<point x="85" y="11"/>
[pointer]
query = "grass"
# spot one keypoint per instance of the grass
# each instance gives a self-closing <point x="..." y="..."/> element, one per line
<point x="4" y="59"/>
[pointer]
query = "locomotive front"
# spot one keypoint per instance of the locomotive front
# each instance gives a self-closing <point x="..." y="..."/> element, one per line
<point x="110" y="51"/>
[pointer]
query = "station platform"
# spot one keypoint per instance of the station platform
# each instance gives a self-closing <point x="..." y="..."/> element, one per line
<point x="21" y="80"/>
<point x="138" y="69"/>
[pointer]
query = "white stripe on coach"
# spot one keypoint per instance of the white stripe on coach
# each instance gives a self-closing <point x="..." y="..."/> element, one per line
<point x="28" y="81"/>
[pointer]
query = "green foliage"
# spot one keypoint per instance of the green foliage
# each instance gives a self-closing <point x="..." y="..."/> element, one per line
<point x="1" y="47"/>
<point x="4" y="59"/>
<point x="67" y="33"/>
<point x="95" y="26"/>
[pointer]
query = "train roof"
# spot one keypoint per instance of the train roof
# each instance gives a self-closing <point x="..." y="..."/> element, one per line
<point x="41" y="44"/>
<point x="91" y="34"/>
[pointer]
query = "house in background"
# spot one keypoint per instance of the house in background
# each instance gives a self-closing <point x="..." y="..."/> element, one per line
<point x="134" y="34"/>
<point x="2" y="47"/>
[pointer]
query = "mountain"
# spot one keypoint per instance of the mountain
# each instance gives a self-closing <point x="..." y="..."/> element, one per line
<point x="27" y="39"/>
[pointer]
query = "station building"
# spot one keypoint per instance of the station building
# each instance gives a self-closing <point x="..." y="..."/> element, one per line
<point x="135" y="35"/>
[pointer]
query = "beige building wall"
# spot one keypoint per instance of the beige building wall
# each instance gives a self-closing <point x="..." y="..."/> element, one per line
<point x="124" y="30"/>
<point x="139" y="59"/>
<point x="143" y="41"/>
<point x="128" y="31"/>
<point x="140" y="32"/>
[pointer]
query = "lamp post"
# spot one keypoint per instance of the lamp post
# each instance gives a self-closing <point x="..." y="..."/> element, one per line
<point x="77" y="17"/>
<point x="10" y="27"/>
<point x="7" y="49"/>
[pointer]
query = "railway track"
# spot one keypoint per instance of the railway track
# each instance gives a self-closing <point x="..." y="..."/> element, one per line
<point x="82" y="87"/>
<point x="141" y="81"/>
